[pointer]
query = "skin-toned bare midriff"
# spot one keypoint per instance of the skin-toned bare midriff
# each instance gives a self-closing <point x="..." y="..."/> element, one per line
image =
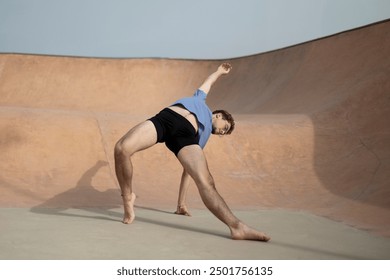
<point x="186" y="114"/>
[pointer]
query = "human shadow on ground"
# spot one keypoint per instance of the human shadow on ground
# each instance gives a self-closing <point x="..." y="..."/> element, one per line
<point x="79" y="198"/>
<point x="100" y="204"/>
<point x="84" y="195"/>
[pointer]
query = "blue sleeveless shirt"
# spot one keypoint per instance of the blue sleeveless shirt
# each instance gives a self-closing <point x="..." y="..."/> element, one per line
<point x="197" y="105"/>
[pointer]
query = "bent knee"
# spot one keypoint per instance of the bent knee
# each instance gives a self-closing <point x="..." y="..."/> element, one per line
<point x="121" y="149"/>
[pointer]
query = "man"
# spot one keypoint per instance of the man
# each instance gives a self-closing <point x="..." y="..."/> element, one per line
<point x="185" y="127"/>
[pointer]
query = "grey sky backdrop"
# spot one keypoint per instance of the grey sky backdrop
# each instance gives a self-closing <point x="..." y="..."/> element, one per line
<point x="199" y="29"/>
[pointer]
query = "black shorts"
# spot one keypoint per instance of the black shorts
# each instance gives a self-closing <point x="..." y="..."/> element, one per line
<point x="175" y="130"/>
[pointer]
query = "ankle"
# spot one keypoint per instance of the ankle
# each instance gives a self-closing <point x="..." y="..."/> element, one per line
<point x="127" y="196"/>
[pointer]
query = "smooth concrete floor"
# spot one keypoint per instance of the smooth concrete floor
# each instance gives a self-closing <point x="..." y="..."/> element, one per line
<point x="158" y="234"/>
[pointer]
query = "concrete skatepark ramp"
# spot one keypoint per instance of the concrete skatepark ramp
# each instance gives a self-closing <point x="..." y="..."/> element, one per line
<point x="312" y="129"/>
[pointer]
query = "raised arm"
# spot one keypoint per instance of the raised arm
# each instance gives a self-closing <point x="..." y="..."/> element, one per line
<point x="223" y="69"/>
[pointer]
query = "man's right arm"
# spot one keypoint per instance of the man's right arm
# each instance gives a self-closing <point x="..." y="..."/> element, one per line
<point x="223" y="69"/>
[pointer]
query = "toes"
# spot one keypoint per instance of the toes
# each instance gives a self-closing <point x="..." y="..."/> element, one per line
<point x="265" y="238"/>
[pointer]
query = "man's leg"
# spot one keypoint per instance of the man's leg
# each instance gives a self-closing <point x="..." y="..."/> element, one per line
<point x="194" y="162"/>
<point x="139" y="138"/>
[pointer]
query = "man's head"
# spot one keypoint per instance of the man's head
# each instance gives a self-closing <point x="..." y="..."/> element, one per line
<point x="223" y="122"/>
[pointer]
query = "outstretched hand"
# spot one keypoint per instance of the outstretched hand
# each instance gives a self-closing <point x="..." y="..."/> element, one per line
<point x="225" y="68"/>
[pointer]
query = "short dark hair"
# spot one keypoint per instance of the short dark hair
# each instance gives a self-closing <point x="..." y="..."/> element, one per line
<point x="227" y="116"/>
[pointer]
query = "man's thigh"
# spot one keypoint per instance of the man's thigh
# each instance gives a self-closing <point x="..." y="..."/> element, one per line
<point x="194" y="162"/>
<point x="140" y="137"/>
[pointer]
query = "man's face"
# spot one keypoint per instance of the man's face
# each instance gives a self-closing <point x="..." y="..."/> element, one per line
<point x="220" y="125"/>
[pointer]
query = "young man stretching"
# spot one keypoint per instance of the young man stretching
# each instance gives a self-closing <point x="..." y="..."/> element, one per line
<point x="185" y="127"/>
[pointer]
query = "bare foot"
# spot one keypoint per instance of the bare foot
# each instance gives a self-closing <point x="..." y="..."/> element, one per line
<point x="182" y="210"/>
<point x="243" y="232"/>
<point x="128" y="205"/>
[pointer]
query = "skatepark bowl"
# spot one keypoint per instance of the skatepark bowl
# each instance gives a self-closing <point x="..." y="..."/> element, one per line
<point x="308" y="162"/>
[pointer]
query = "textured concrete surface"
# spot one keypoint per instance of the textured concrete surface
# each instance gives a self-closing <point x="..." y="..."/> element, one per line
<point x="312" y="132"/>
<point x="96" y="233"/>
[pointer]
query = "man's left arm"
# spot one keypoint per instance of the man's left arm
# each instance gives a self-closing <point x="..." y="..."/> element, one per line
<point x="181" y="203"/>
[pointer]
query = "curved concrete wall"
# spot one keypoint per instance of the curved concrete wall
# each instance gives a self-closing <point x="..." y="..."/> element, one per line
<point x="312" y="129"/>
